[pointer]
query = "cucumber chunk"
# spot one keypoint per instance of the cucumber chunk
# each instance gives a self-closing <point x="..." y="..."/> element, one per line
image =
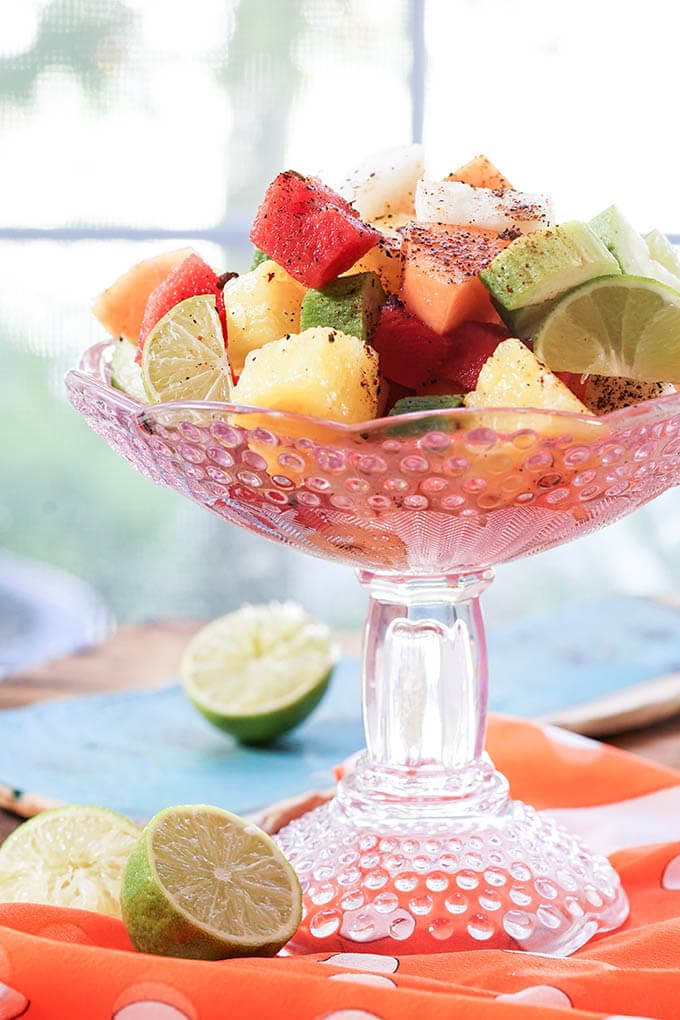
<point x="629" y="248"/>
<point x="542" y="266"/>
<point x="350" y="304"/>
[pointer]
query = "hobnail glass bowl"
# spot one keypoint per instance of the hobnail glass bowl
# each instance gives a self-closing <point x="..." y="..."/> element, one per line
<point x="422" y="850"/>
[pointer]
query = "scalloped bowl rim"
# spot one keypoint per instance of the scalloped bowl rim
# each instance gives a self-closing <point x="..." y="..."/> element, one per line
<point x="144" y="411"/>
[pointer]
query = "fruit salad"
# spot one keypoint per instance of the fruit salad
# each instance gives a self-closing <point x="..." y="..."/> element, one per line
<point x="397" y="293"/>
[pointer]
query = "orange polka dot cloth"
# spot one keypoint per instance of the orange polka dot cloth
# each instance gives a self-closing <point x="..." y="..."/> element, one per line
<point x="65" y="965"/>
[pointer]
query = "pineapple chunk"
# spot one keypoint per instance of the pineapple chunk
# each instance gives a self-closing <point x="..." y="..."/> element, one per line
<point x="320" y="372"/>
<point x="385" y="259"/>
<point x="514" y="377"/>
<point x="392" y="223"/>
<point x="261" y="306"/>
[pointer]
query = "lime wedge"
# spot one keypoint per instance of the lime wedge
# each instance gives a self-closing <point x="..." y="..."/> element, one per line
<point x="204" y="884"/>
<point x="126" y="374"/>
<point x="69" y="857"/>
<point x="184" y="357"/>
<point x="259" y="671"/>
<point x="622" y="325"/>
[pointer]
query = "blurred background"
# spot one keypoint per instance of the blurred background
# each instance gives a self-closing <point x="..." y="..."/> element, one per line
<point x="127" y="126"/>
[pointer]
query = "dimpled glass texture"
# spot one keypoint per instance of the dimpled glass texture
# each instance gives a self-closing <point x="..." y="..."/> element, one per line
<point x="422" y="850"/>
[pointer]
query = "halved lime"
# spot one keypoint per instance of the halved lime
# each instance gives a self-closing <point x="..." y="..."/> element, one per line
<point x="260" y="670"/>
<point x="204" y="884"/>
<point x="126" y="374"/>
<point x="69" y="857"/>
<point x="620" y="325"/>
<point x="184" y="357"/>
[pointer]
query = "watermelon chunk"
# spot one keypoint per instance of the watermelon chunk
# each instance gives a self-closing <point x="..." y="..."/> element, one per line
<point x="310" y="230"/>
<point x="470" y="347"/>
<point x="576" y="382"/>
<point x="191" y="277"/>
<point x="409" y="350"/>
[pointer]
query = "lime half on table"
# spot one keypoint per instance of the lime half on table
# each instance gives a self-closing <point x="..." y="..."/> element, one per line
<point x="204" y="884"/>
<point x="184" y="357"/>
<point x="260" y="670"/>
<point x="68" y="857"/>
<point x="616" y="325"/>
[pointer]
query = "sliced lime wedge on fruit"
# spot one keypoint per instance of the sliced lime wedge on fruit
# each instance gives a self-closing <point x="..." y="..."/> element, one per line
<point x="184" y="357"/>
<point x="260" y="670"/>
<point x="69" y="857"/>
<point x="204" y="884"/>
<point x="126" y="374"/>
<point x="622" y="325"/>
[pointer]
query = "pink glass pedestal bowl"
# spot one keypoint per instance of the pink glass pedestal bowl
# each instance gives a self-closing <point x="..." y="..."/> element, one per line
<point x="422" y="849"/>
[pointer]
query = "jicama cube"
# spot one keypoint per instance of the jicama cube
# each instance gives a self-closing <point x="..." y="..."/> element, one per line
<point x="385" y="183"/>
<point x="460" y="204"/>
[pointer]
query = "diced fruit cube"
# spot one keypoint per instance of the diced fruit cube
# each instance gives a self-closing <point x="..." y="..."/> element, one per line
<point x="126" y="375"/>
<point x="662" y="251"/>
<point x="409" y="350"/>
<point x="514" y="377"/>
<point x="309" y="230"/>
<point x="523" y="322"/>
<point x="410" y="405"/>
<point x="604" y="393"/>
<point x="320" y="372"/>
<point x="630" y="248"/>
<point x="386" y="260"/>
<point x="440" y="282"/>
<point x="471" y="345"/>
<point x="480" y="173"/>
<point x="350" y="304"/>
<point x="392" y="224"/>
<point x="190" y="278"/>
<point x="460" y="204"/>
<point x="542" y="266"/>
<point x="576" y="382"/>
<point x="385" y="183"/>
<point x="120" y="308"/>
<point x="260" y="306"/>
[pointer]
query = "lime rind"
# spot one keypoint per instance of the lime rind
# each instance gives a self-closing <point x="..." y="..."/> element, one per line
<point x="203" y="883"/>
<point x="625" y="326"/>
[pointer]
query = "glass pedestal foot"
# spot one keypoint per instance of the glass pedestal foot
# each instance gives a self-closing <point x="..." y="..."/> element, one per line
<point x="422" y="849"/>
<point x="515" y="880"/>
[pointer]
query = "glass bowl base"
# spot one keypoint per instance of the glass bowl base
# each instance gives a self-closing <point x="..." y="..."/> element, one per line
<point x="511" y="881"/>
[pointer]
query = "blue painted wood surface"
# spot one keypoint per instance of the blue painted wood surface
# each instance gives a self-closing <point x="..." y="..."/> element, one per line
<point x="140" y="751"/>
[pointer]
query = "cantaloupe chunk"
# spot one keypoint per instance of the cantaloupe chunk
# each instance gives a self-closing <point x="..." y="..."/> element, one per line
<point x="320" y="372"/>
<point x="260" y="306"/>
<point x="120" y="308"/>
<point x="440" y="282"/>
<point x="480" y="173"/>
